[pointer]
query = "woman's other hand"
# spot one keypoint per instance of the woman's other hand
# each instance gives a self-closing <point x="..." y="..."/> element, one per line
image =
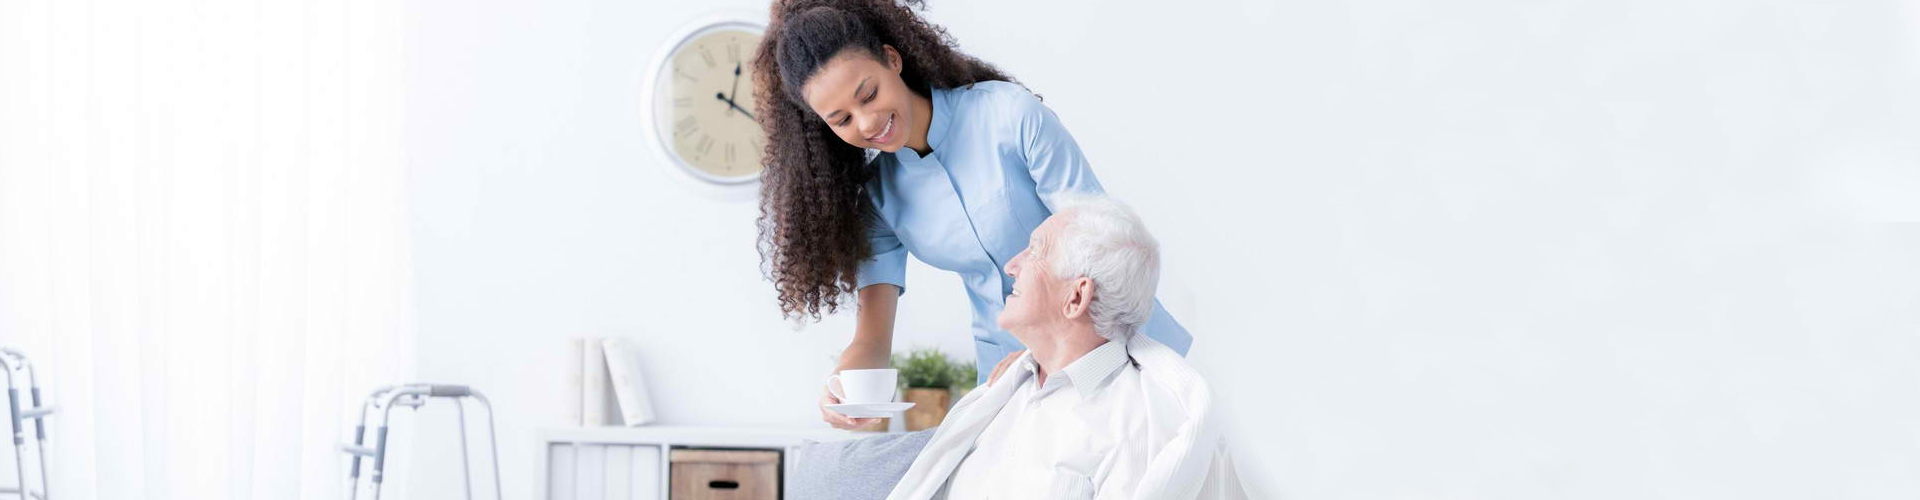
<point x="1002" y="367"/>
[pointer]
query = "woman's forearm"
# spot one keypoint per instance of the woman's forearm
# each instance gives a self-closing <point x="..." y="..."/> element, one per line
<point x="873" y="328"/>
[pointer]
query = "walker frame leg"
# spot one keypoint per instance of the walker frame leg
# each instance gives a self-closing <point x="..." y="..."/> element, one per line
<point x="36" y="412"/>
<point x="415" y="395"/>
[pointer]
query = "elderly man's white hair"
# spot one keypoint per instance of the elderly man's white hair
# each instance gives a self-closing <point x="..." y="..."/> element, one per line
<point x="1103" y="239"/>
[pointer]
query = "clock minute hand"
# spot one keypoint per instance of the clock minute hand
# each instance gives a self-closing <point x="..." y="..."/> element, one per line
<point x="730" y="104"/>
<point x="742" y="110"/>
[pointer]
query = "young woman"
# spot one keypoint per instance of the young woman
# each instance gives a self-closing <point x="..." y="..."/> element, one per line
<point x="884" y="140"/>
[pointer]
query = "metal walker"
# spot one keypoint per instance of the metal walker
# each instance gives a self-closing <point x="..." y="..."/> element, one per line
<point x="413" y="396"/>
<point x="12" y="360"/>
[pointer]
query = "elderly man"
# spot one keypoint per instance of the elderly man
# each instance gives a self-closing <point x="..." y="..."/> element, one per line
<point x="1092" y="410"/>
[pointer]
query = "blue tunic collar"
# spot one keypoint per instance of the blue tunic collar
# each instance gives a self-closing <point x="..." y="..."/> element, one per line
<point x="937" y="126"/>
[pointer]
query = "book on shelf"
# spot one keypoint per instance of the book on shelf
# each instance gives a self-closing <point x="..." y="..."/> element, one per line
<point x="593" y="384"/>
<point x="628" y="383"/>
<point x="575" y="375"/>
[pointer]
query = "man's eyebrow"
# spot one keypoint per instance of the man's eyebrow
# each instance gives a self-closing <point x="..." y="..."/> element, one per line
<point x="856" y="96"/>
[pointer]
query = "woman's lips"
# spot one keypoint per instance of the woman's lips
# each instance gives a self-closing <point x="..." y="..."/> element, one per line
<point x="886" y="133"/>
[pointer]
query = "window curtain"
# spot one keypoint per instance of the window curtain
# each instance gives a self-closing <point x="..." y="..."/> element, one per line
<point x="203" y="238"/>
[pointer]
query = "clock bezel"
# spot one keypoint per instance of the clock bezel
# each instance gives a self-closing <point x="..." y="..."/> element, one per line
<point x="659" y="107"/>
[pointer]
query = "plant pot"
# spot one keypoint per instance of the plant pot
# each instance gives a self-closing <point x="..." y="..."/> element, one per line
<point x="929" y="407"/>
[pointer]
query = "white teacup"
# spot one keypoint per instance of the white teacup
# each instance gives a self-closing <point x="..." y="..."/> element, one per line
<point x="865" y="386"/>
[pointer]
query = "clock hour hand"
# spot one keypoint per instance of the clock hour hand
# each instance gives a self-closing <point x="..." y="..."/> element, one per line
<point x="732" y="106"/>
<point x="736" y="84"/>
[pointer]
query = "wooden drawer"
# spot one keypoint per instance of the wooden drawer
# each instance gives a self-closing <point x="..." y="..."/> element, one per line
<point x="724" y="475"/>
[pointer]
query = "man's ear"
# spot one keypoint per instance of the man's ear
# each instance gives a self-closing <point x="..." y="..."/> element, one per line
<point x="1079" y="298"/>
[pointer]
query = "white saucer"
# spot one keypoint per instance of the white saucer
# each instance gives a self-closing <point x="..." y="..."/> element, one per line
<point x="867" y="410"/>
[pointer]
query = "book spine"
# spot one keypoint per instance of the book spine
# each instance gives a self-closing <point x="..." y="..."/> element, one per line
<point x="576" y="355"/>
<point x="623" y="362"/>
<point x="593" y="384"/>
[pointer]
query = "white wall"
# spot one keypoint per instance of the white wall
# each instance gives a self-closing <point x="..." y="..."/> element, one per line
<point x="1428" y="250"/>
<point x="541" y="214"/>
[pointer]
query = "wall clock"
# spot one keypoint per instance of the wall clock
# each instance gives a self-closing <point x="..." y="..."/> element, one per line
<point x="702" y="103"/>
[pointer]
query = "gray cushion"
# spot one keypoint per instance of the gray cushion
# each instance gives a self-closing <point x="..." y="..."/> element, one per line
<point x="855" y="469"/>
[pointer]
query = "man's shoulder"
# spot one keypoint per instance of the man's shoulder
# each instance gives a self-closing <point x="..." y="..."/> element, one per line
<point x="1167" y="379"/>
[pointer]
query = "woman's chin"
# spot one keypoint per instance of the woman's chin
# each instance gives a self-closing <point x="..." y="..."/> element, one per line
<point x="890" y="148"/>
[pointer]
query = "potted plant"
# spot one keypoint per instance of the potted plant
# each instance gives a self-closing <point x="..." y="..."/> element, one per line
<point x="929" y="380"/>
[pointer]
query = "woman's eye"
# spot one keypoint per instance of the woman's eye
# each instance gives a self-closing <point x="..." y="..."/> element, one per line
<point x="870" y="96"/>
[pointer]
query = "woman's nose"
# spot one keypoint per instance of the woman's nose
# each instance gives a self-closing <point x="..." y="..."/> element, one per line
<point x="871" y="125"/>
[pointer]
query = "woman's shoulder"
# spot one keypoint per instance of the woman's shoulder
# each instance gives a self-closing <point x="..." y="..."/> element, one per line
<point x="995" y="94"/>
<point x="992" y="88"/>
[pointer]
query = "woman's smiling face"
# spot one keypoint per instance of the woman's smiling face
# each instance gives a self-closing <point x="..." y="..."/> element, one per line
<point x="864" y="100"/>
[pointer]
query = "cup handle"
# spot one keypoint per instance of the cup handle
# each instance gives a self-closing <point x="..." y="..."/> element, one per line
<point x="830" y="380"/>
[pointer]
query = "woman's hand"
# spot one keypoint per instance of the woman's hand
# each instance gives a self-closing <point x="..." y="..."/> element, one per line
<point x="836" y="419"/>
<point x="1002" y="367"/>
<point x="872" y="341"/>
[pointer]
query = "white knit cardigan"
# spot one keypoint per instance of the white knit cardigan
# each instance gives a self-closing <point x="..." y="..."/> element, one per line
<point x="1191" y="462"/>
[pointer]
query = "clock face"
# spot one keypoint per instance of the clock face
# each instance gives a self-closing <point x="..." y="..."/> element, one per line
<point x="704" y="104"/>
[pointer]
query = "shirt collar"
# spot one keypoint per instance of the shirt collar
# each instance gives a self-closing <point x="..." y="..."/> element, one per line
<point x="1092" y="371"/>
<point x="937" y="125"/>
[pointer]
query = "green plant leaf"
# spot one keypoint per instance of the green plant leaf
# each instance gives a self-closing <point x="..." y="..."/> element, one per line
<point x="928" y="367"/>
<point x="965" y="376"/>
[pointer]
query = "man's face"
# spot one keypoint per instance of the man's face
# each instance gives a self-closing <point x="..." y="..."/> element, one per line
<point x="1037" y="299"/>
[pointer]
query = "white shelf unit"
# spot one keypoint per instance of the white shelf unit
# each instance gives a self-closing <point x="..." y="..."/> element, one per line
<point x="630" y="463"/>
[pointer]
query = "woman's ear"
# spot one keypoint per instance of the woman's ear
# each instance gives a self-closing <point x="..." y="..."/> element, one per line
<point x="1079" y="298"/>
<point x="892" y="58"/>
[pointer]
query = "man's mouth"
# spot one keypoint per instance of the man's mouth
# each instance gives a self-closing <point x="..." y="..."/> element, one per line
<point x="886" y="133"/>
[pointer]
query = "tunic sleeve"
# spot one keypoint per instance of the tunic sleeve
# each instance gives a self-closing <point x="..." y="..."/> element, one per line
<point x="1053" y="158"/>
<point x="889" y="261"/>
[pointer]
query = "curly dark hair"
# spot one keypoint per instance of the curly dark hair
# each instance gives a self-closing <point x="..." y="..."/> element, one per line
<point x="814" y="208"/>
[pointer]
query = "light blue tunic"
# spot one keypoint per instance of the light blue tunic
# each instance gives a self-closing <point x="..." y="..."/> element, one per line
<point x="999" y="156"/>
